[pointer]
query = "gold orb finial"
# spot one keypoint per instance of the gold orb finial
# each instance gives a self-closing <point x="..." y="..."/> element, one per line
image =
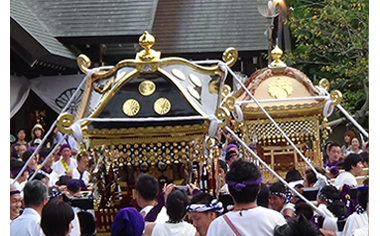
<point x="147" y="41"/>
<point x="276" y="57"/>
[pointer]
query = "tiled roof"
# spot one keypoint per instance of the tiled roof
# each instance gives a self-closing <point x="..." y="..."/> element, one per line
<point x="38" y="29"/>
<point x="183" y="26"/>
<point x="78" y="18"/>
<point x="179" y="26"/>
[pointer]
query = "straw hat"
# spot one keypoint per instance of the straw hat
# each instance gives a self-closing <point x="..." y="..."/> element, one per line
<point x="38" y="126"/>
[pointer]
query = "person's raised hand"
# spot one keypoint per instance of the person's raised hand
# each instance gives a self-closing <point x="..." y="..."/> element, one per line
<point x="167" y="190"/>
<point x="191" y="188"/>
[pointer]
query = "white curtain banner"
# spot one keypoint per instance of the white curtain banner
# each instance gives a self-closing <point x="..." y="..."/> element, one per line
<point x="19" y="92"/>
<point x="56" y="91"/>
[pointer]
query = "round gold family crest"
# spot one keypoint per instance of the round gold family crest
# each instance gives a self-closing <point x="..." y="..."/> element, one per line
<point x="131" y="107"/>
<point x="162" y="106"/>
<point x="147" y="88"/>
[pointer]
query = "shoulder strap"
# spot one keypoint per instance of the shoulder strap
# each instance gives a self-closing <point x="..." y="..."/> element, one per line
<point x="232" y="226"/>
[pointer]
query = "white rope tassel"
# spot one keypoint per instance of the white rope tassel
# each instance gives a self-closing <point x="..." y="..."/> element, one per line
<point x="213" y="126"/>
<point x="239" y="113"/>
<point x="328" y="109"/>
<point x="357" y="125"/>
<point x="77" y="131"/>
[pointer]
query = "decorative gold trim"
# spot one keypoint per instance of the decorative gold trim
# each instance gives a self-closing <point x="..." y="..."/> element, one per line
<point x="263" y="74"/>
<point x="83" y="63"/>
<point x="223" y="114"/>
<point x="121" y="75"/>
<point x="325" y="84"/>
<point x="85" y="99"/>
<point x="147" y="132"/>
<point x="212" y="70"/>
<point x="107" y="97"/>
<point x="226" y="89"/>
<point x="162" y="106"/>
<point x="141" y="140"/>
<point x="230" y="56"/>
<point x="101" y="74"/>
<point x="131" y="107"/>
<point x="336" y="97"/>
<point x="298" y="129"/>
<point x="283" y="111"/>
<point x="147" y="88"/>
<point x="64" y="121"/>
<point x="105" y="88"/>
<point x="229" y="103"/>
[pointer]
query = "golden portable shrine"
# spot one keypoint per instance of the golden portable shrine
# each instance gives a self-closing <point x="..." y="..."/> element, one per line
<point x="297" y="106"/>
<point x="160" y="116"/>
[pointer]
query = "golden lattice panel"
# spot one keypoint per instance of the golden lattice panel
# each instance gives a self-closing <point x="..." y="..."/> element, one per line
<point x="161" y="153"/>
<point x="297" y="129"/>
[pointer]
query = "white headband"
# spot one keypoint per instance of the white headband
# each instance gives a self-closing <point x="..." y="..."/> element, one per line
<point x="214" y="206"/>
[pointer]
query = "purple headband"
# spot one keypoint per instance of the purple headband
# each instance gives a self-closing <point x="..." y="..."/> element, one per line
<point x="14" y="192"/>
<point x="231" y="146"/>
<point x="63" y="146"/>
<point x="239" y="186"/>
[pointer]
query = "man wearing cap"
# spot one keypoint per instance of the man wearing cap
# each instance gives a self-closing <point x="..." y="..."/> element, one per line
<point x="66" y="164"/>
<point x="244" y="182"/>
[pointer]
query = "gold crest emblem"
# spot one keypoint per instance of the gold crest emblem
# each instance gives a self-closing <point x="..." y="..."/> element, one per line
<point x="147" y="88"/>
<point x="131" y="107"/>
<point x="162" y="106"/>
<point x="280" y="89"/>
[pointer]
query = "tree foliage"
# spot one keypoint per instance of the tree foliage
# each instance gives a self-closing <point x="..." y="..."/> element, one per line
<point x="331" y="41"/>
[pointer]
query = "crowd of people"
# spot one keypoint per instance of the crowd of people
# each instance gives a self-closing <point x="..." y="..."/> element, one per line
<point x="40" y="197"/>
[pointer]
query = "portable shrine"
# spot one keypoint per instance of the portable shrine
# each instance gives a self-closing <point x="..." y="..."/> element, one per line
<point x="298" y="107"/>
<point x="147" y="115"/>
